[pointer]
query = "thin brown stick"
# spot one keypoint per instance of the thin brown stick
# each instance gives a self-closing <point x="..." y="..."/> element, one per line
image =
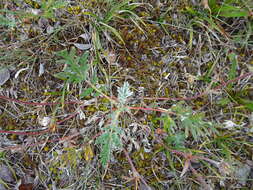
<point x="142" y="108"/>
<point x="200" y="179"/>
<point x="37" y="103"/>
<point x="39" y="132"/>
<point x="205" y="92"/>
<point x="151" y="109"/>
<point x="29" y="133"/>
<point x="135" y="172"/>
<point x="147" y="98"/>
<point x="59" y="140"/>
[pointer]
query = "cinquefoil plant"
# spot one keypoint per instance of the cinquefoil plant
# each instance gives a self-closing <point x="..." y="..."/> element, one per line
<point x="190" y="123"/>
<point x="77" y="67"/>
<point x="110" y="139"/>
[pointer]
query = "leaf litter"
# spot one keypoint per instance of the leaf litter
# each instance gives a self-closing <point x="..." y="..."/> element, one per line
<point x="155" y="60"/>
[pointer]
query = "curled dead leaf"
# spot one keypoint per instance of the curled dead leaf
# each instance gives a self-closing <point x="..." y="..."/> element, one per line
<point x="28" y="186"/>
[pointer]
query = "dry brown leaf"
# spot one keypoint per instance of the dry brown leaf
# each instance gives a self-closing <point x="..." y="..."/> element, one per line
<point x="28" y="186"/>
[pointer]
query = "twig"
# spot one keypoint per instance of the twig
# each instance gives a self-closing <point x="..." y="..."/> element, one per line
<point x="205" y="92"/>
<point x="200" y="178"/>
<point x="135" y="172"/>
<point x="189" y="158"/>
<point x="37" y="103"/>
<point x="29" y="133"/>
<point x="59" y="140"/>
<point x="113" y="100"/>
<point x="151" y="109"/>
<point x="40" y="132"/>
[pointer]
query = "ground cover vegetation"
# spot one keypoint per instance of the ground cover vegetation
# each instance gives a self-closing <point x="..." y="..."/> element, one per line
<point x="126" y="94"/>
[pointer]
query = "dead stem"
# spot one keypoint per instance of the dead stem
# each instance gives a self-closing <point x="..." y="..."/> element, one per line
<point x="135" y="172"/>
<point x="224" y="84"/>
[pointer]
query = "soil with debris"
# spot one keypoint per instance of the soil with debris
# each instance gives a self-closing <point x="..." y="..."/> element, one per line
<point x="126" y="94"/>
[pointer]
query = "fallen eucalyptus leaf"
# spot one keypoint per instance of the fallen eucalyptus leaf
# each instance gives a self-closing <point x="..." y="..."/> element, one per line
<point x="42" y="69"/>
<point x="85" y="36"/>
<point x="4" y="75"/>
<point x="82" y="46"/>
